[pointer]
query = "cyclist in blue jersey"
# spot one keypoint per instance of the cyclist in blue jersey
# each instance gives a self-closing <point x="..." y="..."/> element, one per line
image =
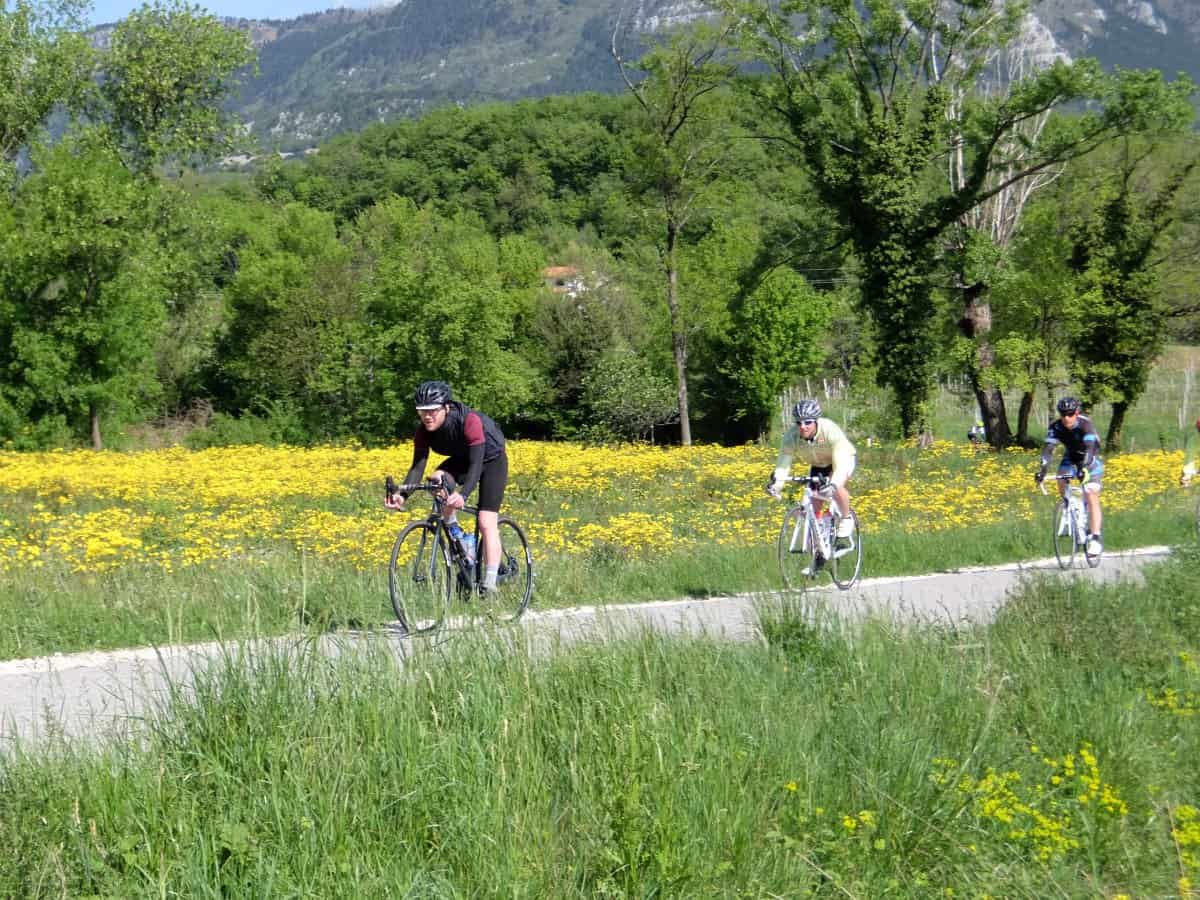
<point x="1076" y="434"/>
<point x="477" y="457"/>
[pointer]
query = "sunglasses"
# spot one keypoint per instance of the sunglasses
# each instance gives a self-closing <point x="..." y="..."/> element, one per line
<point x="806" y="421"/>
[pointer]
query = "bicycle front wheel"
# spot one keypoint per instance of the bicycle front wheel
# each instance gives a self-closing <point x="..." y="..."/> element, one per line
<point x="514" y="581"/>
<point x="797" y="550"/>
<point x="419" y="579"/>
<point x="846" y="565"/>
<point x="1064" y="535"/>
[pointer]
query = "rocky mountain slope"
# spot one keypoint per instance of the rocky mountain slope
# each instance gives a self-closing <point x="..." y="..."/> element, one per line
<point x="340" y="70"/>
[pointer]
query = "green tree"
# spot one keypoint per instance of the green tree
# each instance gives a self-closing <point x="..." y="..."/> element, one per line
<point x="83" y="280"/>
<point x="775" y="337"/>
<point x="442" y="300"/>
<point x="876" y="96"/>
<point x="45" y="64"/>
<point x="1123" y="326"/>
<point x="1037" y="308"/>
<point x="288" y="297"/>
<point x="575" y="327"/>
<point x="165" y="77"/>
<point x="625" y="399"/>
<point x="677" y="156"/>
<point x="90" y="238"/>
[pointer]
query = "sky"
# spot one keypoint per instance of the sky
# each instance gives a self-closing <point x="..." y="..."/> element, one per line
<point x="105" y="11"/>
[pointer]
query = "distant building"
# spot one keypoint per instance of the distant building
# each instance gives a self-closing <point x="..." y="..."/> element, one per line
<point x="564" y="280"/>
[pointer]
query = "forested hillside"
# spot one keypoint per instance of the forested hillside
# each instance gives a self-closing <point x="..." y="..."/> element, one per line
<point x="665" y="261"/>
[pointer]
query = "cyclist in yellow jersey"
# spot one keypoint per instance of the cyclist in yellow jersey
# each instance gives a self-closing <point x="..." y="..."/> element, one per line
<point x="828" y="452"/>
<point x="1189" y="468"/>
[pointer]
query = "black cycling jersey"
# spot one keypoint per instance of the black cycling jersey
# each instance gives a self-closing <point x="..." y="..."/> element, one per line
<point x="468" y="437"/>
<point x="1080" y="443"/>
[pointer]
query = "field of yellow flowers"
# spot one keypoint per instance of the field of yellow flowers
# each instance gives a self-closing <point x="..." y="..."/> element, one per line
<point x="171" y="509"/>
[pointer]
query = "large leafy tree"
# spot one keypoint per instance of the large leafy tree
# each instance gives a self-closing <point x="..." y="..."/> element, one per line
<point x="443" y="299"/>
<point x="85" y="297"/>
<point x="287" y="298"/>
<point x="167" y="73"/>
<point x="679" y="150"/>
<point x="45" y="64"/>
<point x="84" y="226"/>
<point x="1117" y="253"/>
<point x="877" y="96"/>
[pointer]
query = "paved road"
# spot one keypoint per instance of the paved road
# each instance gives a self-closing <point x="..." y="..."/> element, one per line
<point x="103" y="695"/>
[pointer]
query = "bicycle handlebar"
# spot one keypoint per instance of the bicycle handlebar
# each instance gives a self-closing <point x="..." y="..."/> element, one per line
<point x="1083" y="478"/>
<point x="392" y="488"/>
<point x="820" y="485"/>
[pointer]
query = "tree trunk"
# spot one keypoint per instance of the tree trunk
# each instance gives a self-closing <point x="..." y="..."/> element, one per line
<point x="1023" y="419"/>
<point x="1112" y="440"/>
<point x="678" y="335"/>
<point x="976" y="323"/>
<point x="94" y="416"/>
<point x="993" y="414"/>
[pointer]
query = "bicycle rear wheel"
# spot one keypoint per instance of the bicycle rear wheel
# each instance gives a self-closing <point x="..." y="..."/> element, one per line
<point x="514" y="581"/>
<point x="846" y="565"/>
<point x="797" y="550"/>
<point x="419" y="579"/>
<point x="1064" y="535"/>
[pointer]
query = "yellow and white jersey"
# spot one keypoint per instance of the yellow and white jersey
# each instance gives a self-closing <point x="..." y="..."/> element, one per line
<point x="829" y="446"/>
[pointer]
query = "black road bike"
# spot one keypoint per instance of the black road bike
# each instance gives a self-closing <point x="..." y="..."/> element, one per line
<point x="429" y="567"/>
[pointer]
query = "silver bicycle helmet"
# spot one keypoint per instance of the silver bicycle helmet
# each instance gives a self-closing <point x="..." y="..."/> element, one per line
<point x="806" y="409"/>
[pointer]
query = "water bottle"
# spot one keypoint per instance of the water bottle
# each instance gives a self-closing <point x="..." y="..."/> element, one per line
<point x="466" y="541"/>
<point x="827" y="530"/>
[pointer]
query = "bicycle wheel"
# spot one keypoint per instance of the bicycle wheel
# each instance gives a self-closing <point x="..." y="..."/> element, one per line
<point x="846" y="565"/>
<point x="514" y="581"/>
<point x="1064" y="535"/>
<point x="419" y="579"/>
<point x="797" y="550"/>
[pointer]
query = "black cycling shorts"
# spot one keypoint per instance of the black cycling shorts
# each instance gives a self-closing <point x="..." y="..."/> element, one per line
<point x="492" y="480"/>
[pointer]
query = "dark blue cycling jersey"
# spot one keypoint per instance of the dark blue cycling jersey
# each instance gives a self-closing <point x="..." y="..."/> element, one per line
<point x="1080" y="442"/>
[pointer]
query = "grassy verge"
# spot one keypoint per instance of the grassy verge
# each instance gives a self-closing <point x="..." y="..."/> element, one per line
<point x="1050" y="753"/>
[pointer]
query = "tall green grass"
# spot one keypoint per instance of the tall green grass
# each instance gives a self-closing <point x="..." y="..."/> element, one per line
<point x="823" y="762"/>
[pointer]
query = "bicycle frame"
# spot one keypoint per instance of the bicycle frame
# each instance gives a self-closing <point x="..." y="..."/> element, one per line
<point x="467" y="569"/>
<point x="808" y="529"/>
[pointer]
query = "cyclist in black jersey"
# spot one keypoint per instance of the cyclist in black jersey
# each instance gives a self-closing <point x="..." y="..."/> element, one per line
<point x="477" y="456"/>
<point x="1081" y="457"/>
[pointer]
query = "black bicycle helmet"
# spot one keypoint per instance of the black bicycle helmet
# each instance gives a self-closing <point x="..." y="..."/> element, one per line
<point x="806" y="409"/>
<point x="432" y="394"/>
<point x="1067" y="406"/>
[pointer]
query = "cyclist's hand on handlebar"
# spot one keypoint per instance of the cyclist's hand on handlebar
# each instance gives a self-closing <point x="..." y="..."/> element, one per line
<point x="773" y="490"/>
<point x="1039" y="476"/>
<point x="454" y="500"/>
<point x="392" y="499"/>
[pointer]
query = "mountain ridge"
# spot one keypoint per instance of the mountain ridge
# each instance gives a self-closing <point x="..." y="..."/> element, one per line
<point x="343" y="69"/>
